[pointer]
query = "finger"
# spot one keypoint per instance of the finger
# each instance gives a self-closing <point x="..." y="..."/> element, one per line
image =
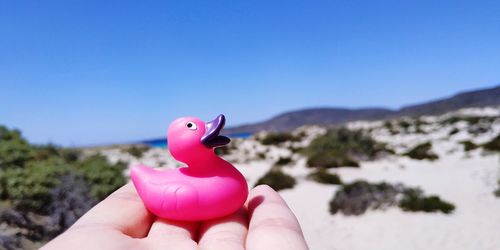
<point x="123" y="210"/>
<point x="180" y="234"/>
<point x="224" y="233"/>
<point x="272" y="224"/>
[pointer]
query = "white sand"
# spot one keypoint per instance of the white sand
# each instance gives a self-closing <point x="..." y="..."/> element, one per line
<point x="465" y="179"/>
<point x="467" y="183"/>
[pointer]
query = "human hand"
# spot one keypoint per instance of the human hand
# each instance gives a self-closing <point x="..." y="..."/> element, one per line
<point x="122" y="222"/>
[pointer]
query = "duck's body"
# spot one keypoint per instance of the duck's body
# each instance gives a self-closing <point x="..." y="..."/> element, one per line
<point x="208" y="188"/>
<point x="182" y="194"/>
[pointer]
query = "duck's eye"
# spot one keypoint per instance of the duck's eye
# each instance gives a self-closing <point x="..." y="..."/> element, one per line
<point x="191" y="125"/>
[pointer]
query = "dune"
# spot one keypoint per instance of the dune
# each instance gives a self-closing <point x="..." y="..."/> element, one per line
<point x="466" y="179"/>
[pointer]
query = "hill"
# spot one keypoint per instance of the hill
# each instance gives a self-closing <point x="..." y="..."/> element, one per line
<point x="332" y="116"/>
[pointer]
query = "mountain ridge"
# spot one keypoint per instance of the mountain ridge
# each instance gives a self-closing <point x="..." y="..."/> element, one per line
<point x="336" y="115"/>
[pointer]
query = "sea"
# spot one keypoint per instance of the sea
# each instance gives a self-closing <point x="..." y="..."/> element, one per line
<point x="163" y="143"/>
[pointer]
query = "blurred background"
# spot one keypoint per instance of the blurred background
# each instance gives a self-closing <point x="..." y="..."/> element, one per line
<point x="378" y="122"/>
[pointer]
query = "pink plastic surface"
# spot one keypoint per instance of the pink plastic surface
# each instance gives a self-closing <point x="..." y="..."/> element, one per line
<point x="209" y="187"/>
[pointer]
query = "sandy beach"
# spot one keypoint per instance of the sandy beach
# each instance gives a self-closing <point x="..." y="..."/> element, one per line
<point x="466" y="179"/>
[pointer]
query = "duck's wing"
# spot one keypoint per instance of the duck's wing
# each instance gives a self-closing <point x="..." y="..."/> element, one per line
<point x="179" y="198"/>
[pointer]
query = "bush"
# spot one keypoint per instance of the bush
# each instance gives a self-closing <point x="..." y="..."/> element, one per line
<point x="328" y="160"/>
<point x="52" y="185"/>
<point x="357" y="197"/>
<point x="103" y="177"/>
<point x="14" y="150"/>
<point x="421" y="152"/>
<point x="453" y="131"/>
<point x="277" y="138"/>
<point x="413" y="200"/>
<point x="342" y="147"/>
<point x="261" y="155"/>
<point x="451" y="120"/>
<point x="29" y="188"/>
<point x="471" y="120"/>
<point x="418" y="124"/>
<point x="493" y="145"/>
<point x="390" y="127"/>
<point x="295" y="149"/>
<point x="69" y="200"/>
<point x="277" y="179"/>
<point x="404" y="124"/>
<point x="321" y="175"/>
<point x="222" y="150"/>
<point x="468" y="145"/>
<point x="283" y="161"/>
<point x="479" y="129"/>
<point x="497" y="192"/>
<point x="136" y="150"/>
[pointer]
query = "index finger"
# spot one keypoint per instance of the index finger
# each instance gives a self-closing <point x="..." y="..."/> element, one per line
<point x="123" y="210"/>
<point x="272" y="224"/>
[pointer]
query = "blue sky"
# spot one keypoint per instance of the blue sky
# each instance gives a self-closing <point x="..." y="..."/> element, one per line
<point x="91" y="72"/>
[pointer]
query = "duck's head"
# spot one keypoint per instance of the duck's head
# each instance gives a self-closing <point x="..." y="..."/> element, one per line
<point x="190" y="137"/>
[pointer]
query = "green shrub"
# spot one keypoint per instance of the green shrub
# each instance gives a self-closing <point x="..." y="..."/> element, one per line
<point x="29" y="188"/>
<point x="471" y="120"/>
<point x="475" y="119"/>
<point x="329" y="160"/>
<point x="357" y="197"/>
<point x="103" y="177"/>
<point x="283" y="161"/>
<point x="277" y="179"/>
<point x="419" y="122"/>
<point x="390" y="127"/>
<point x="222" y="150"/>
<point x="497" y="192"/>
<point x="277" y="138"/>
<point x="321" y="175"/>
<point x="493" y="145"/>
<point x="14" y="150"/>
<point x="468" y="145"/>
<point x="49" y="187"/>
<point x="301" y="135"/>
<point x="421" y="152"/>
<point x="342" y="147"/>
<point x="136" y="150"/>
<point x="296" y="149"/>
<point x="451" y="120"/>
<point x="70" y="155"/>
<point x="416" y="123"/>
<point x="454" y="131"/>
<point x="404" y="124"/>
<point x="413" y="200"/>
<point x="261" y="155"/>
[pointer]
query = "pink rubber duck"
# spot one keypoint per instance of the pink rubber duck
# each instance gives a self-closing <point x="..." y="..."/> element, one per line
<point x="209" y="187"/>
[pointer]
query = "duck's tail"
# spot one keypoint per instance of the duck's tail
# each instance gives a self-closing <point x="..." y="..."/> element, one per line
<point x="140" y="176"/>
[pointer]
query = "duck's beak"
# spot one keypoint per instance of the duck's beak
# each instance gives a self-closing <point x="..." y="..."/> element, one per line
<point x="211" y="138"/>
